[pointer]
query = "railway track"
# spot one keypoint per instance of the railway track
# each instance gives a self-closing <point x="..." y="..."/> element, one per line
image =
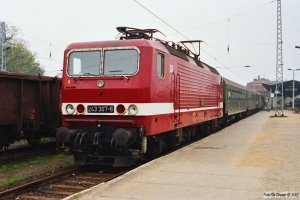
<point x="26" y="153"/>
<point x="70" y="182"/>
<point x="63" y="184"/>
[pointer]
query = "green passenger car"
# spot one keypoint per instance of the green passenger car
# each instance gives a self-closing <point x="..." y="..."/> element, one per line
<point x="238" y="99"/>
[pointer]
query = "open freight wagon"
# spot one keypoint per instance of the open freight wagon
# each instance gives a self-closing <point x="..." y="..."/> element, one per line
<point x="29" y="107"/>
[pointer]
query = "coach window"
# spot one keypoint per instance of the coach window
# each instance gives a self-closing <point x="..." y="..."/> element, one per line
<point x="160" y="62"/>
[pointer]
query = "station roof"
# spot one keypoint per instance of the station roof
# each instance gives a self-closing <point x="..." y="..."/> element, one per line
<point x="287" y="88"/>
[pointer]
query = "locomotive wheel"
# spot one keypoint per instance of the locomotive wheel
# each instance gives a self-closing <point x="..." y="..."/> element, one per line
<point x="189" y="133"/>
<point x="79" y="158"/>
<point x="171" y="141"/>
<point x="155" y="148"/>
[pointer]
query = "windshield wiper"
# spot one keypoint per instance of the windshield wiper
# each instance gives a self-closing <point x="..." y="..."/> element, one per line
<point x="90" y="74"/>
<point x="119" y="74"/>
<point x="115" y="70"/>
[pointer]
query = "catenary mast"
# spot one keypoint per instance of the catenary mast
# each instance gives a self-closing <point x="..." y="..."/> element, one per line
<point x="2" y="47"/>
<point x="279" y="65"/>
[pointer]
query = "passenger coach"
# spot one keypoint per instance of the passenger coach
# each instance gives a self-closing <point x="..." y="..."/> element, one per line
<point x="239" y="101"/>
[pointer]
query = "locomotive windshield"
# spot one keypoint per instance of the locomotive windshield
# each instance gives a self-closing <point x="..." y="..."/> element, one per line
<point x="120" y="62"/>
<point x="84" y="63"/>
<point x="115" y="62"/>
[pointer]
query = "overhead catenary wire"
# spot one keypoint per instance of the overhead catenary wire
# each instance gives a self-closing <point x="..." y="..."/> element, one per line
<point x="228" y="20"/>
<point x="228" y="38"/>
<point x="43" y="41"/>
<point x="51" y="59"/>
<point x="215" y="22"/>
<point x="50" y="56"/>
<point x="228" y="24"/>
<point x="224" y="20"/>
<point x="159" y="18"/>
<point x="252" y="9"/>
<point x="242" y="44"/>
<point x="21" y="34"/>
<point x="178" y="32"/>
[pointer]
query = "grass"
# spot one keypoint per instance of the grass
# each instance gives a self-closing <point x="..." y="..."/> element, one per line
<point x="13" y="179"/>
<point x="25" y="164"/>
<point x="15" y="166"/>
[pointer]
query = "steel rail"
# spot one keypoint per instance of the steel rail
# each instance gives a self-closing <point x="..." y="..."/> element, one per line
<point x="27" y="186"/>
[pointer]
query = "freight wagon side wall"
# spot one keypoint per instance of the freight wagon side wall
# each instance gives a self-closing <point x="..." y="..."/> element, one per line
<point x="54" y="105"/>
<point x="29" y="104"/>
<point x="10" y="95"/>
<point x="49" y="114"/>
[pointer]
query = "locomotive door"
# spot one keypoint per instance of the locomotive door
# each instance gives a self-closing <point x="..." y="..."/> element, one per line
<point x="220" y="97"/>
<point x="218" y="100"/>
<point x="176" y="96"/>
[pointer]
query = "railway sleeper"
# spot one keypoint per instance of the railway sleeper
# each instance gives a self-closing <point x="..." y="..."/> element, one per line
<point x="67" y="187"/>
<point x="34" y="197"/>
<point x="49" y="191"/>
<point x="83" y="182"/>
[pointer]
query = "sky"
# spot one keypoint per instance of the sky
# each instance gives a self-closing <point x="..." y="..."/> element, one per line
<point x="248" y="27"/>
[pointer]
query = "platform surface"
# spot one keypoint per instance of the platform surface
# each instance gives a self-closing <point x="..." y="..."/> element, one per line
<point x="255" y="156"/>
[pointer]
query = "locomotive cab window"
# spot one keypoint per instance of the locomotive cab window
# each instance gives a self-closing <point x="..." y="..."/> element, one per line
<point x="120" y="62"/>
<point x="84" y="63"/>
<point x="160" y="62"/>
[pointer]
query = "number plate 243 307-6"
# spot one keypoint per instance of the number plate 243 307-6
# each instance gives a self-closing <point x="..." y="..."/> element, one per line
<point x="100" y="109"/>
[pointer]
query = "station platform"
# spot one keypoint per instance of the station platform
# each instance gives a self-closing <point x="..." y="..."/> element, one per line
<point x="255" y="158"/>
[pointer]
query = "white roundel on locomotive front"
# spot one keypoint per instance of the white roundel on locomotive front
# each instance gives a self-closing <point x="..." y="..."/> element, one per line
<point x="100" y="83"/>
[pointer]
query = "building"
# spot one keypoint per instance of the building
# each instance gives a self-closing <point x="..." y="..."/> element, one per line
<point x="257" y="85"/>
<point x="267" y="88"/>
<point x="287" y="91"/>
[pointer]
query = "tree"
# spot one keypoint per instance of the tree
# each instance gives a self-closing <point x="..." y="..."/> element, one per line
<point x="18" y="56"/>
<point x="21" y="59"/>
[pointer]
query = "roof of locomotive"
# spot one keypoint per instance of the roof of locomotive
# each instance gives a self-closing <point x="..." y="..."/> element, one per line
<point x="157" y="44"/>
<point x="117" y="43"/>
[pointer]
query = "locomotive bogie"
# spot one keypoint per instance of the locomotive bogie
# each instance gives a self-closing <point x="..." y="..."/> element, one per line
<point x="99" y="144"/>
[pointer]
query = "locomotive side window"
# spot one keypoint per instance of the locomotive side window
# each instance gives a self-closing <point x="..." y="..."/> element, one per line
<point x="120" y="62"/>
<point x="160" y="62"/>
<point x="84" y="63"/>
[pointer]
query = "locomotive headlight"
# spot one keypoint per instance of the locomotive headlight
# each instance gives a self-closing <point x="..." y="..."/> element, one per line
<point x="70" y="109"/>
<point x="132" y="109"/>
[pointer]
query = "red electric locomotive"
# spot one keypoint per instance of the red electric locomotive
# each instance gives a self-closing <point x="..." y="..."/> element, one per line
<point x="126" y="98"/>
